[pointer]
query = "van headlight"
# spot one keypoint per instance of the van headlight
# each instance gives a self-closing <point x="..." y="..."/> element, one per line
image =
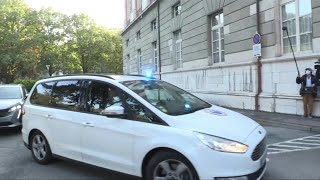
<point x="220" y="144"/>
<point x="14" y="108"/>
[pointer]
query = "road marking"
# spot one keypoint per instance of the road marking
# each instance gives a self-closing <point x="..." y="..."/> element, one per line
<point x="293" y="145"/>
<point x="289" y="146"/>
<point x="314" y="144"/>
<point x="276" y="149"/>
<point x="310" y="140"/>
<point x="316" y="137"/>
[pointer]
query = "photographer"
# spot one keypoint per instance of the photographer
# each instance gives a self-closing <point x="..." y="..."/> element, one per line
<point x="308" y="91"/>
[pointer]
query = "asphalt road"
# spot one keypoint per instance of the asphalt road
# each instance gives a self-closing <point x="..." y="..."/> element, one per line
<point x="298" y="161"/>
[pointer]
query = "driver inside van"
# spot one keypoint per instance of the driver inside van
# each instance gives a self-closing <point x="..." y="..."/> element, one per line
<point x="101" y="97"/>
<point x="113" y="99"/>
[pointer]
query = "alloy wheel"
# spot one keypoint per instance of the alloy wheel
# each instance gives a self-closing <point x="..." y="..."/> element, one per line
<point x="39" y="147"/>
<point x="172" y="170"/>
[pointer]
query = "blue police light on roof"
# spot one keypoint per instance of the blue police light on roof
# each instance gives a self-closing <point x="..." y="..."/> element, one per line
<point x="187" y="107"/>
<point x="148" y="74"/>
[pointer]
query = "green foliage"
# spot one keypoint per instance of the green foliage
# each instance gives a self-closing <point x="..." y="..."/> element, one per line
<point x="27" y="82"/>
<point x="30" y="40"/>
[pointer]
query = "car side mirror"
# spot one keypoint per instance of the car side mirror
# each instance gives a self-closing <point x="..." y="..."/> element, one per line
<point x="114" y="111"/>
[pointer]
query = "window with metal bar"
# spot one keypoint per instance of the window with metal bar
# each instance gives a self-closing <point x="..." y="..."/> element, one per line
<point x="297" y="17"/>
<point x="155" y="56"/>
<point x="178" y="48"/>
<point x="217" y="37"/>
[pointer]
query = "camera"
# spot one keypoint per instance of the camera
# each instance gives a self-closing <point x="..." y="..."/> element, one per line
<point x="317" y="67"/>
<point x="317" y="64"/>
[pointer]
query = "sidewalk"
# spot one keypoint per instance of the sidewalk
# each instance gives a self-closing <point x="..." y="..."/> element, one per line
<point x="283" y="120"/>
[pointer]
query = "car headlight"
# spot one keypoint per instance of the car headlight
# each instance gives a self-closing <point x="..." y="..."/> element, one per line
<point x="14" y="108"/>
<point x="220" y="144"/>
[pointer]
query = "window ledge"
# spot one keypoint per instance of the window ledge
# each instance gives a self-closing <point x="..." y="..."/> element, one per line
<point x="289" y="57"/>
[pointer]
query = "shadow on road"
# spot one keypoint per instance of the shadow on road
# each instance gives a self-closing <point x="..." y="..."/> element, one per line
<point x="10" y="131"/>
<point x="88" y="171"/>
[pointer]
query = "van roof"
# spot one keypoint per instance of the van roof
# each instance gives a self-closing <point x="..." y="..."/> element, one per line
<point x="116" y="77"/>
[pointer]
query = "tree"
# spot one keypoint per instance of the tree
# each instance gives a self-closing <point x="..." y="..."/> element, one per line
<point x="95" y="48"/>
<point x="114" y="62"/>
<point x="15" y="54"/>
<point x="50" y="40"/>
<point x="31" y="39"/>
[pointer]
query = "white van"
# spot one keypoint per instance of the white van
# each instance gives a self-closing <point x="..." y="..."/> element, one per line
<point x="140" y="126"/>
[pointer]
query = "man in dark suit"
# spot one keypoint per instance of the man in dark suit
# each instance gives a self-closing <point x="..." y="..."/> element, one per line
<point x="308" y="91"/>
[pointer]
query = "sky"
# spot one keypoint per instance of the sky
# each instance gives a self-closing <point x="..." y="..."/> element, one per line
<point x="109" y="13"/>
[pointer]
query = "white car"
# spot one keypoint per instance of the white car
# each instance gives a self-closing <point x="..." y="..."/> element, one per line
<point x="140" y="126"/>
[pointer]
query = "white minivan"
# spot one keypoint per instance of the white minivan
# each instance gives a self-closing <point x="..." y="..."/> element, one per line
<point x="140" y="126"/>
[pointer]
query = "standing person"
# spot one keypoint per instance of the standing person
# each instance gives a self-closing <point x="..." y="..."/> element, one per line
<point x="308" y="91"/>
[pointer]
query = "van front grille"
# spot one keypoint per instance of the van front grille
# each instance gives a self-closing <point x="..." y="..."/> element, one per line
<point x="259" y="150"/>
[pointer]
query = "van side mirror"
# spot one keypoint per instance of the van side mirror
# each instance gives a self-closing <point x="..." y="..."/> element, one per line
<point x="27" y="95"/>
<point x="114" y="111"/>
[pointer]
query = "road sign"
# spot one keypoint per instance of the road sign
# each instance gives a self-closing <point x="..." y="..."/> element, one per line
<point x="48" y="67"/>
<point x="256" y="50"/>
<point x="257" y="39"/>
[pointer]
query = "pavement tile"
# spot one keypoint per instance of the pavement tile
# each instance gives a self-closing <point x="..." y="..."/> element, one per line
<point x="283" y="120"/>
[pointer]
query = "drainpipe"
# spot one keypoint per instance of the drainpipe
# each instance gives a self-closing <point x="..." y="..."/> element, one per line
<point x="159" y="51"/>
<point x="259" y="64"/>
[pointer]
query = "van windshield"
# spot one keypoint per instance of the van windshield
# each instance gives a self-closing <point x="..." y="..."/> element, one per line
<point x="10" y="93"/>
<point x="166" y="97"/>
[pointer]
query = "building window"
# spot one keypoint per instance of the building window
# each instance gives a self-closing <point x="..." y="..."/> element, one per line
<point x="128" y="64"/>
<point x="127" y="43"/>
<point x="176" y="10"/>
<point x="154" y="25"/>
<point x="155" y="56"/>
<point x="138" y="35"/>
<point x="297" y="17"/>
<point x="178" y="48"/>
<point x="139" y="61"/>
<point x="217" y="37"/>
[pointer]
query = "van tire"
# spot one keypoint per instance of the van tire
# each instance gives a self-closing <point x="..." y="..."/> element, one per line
<point x="155" y="166"/>
<point x="40" y="149"/>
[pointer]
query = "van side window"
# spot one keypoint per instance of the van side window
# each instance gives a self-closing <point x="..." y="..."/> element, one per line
<point x="101" y="96"/>
<point x="66" y="95"/>
<point x="41" y="94"/>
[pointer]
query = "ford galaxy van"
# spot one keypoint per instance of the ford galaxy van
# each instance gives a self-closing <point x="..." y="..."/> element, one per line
<point x="140" y="126"/>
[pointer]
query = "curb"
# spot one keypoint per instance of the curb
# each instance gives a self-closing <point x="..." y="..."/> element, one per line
<point x="276" y="122"/>
<point x="315" y="129"/>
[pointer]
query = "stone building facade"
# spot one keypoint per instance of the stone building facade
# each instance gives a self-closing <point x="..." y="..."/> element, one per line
<point x="206" y="47"/>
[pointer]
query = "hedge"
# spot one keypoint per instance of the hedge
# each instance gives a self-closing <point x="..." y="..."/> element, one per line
<point x="28" y="83"/>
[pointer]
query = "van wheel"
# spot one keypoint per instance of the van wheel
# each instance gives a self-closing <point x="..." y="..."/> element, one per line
<point x="40" y="148"/>
<point x="170" y="165"/>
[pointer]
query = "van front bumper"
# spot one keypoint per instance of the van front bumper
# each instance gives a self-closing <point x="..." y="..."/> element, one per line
<point x="253" y="176"/>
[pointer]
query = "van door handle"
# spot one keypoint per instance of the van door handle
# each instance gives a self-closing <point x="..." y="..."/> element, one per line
<point x="89" y="124"/>
<point x="48" y="116"/>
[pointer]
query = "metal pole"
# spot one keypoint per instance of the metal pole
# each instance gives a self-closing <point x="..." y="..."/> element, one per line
<point x="159" y="47"/>
<point x="294" y="57"/>
<point x="259" y="64"/>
